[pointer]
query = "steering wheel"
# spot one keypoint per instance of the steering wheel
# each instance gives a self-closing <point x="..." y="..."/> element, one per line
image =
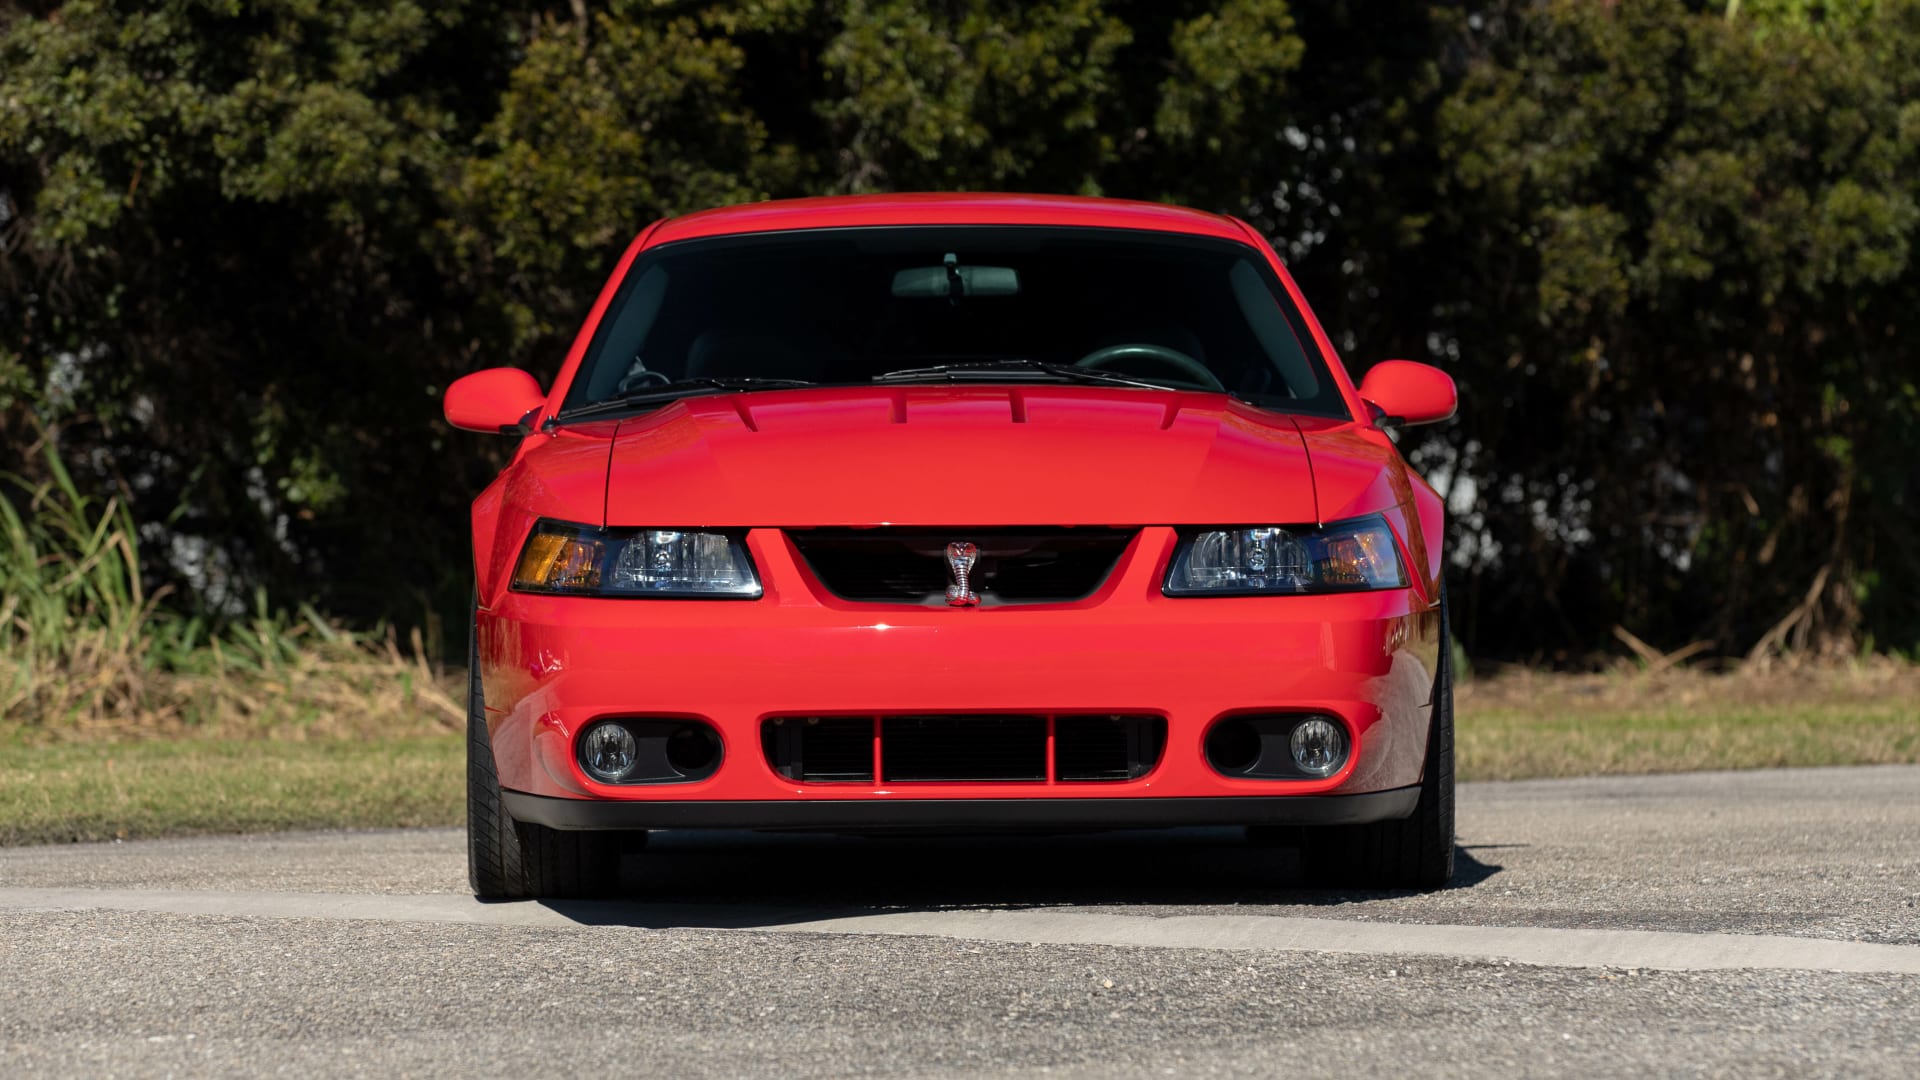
<point x="638" y="378"/>
<point x="1194" y="371"/>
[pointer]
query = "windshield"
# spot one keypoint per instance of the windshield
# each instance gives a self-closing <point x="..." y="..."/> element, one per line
<point x="847" y="306"/>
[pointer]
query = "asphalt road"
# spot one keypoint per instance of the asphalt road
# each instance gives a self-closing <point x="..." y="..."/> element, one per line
<point x="1723" y="924"/>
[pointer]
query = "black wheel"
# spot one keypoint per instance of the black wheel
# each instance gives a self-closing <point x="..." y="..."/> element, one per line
<point x="512" y="860"/>
<point x="1415" y="852"/>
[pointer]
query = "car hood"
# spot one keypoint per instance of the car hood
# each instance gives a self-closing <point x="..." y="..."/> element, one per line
<point x="958" y="455"/>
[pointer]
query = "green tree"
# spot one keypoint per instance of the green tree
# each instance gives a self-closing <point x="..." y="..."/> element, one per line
<point x="214" y="269"/>
<point x="974" y="94"/>
<point x="1684" y="248"/>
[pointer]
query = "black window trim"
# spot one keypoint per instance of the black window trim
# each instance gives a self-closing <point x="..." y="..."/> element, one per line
<point x="1296" y="318"/>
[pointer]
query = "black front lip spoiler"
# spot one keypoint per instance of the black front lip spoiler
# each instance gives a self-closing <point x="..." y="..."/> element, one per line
<point x="1103" y="813"/>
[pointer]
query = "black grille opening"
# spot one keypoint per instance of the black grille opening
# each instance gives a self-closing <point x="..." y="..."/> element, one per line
<point x="1106" y="747"/>
<point x="821" y="749"/>
<point x="964" y="748"/>
<point x="1015" y="566"/>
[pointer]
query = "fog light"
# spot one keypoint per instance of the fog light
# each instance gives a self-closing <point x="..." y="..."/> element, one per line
<point x="608" y="752"/>
<point x="1319" y="746"/>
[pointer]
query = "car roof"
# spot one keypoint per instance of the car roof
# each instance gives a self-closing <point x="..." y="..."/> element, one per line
<point x="842" y="211"/>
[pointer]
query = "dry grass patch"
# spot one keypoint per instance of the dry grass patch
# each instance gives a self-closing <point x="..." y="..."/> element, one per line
<point x="302" y="681"/>
<point x="87" y="652"/>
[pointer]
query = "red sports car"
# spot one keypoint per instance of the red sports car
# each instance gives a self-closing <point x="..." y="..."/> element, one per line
<point x="955" y="512"/>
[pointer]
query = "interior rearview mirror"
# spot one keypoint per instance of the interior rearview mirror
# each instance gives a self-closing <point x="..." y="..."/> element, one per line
<point x="951" y="281"/>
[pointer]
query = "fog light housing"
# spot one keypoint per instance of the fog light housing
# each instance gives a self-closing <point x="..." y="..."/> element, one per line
<point x="1319" y="746"/>
<point x="694" y="750"/>
<point x="608" y="752"/>
<point x="1233" y="746"/>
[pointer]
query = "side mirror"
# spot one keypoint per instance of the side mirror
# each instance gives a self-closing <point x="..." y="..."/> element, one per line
<point x="493" y="401"/>
<point x="1408" y="393"/>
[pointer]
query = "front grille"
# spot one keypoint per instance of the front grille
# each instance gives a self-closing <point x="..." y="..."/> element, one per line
<point x="910" y="566"/>
<point x="964" y="749"/>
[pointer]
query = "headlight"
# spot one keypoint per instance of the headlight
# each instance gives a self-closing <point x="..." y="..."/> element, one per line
<point x="1351" y="556"/>
<point x="582" y="560"/>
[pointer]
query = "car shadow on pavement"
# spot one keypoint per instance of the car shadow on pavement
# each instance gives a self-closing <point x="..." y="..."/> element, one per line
<point x="738" y="879"/>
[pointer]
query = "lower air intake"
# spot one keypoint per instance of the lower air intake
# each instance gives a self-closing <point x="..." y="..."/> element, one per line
<point x="822" y="749"/>
<point x="963" y="748"/>
<point x="1107" y="747"/>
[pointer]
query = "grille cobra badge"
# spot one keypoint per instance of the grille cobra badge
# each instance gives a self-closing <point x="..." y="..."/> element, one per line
<point x="961" y="556"/>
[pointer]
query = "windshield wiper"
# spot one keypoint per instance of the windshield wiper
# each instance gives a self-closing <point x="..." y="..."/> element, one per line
<point x="680" y="388"/>
<point x="1018" y="369"/>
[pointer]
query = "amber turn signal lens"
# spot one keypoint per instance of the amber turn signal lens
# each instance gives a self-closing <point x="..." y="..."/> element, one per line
<point x="1358" y="559"/>
<point x="559" y="560"/>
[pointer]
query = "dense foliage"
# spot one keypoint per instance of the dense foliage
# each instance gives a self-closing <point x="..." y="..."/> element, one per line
<point x="1666" y="248"/>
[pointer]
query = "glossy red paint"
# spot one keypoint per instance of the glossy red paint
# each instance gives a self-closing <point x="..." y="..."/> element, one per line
<point x="1081" y="456"/>
<point x="1034" y="455"/>
<point x="946" y="208"/>
<point x="1409" y="392"/>
<point x="492" y="399"/>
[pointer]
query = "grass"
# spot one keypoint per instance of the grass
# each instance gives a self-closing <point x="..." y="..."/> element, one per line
<point x="120" y="717"/>
<point x="1522" y="725"/>
<point x="74" y="615"/>
<point x="71" y="792"/>
<point x="86" y="649"/>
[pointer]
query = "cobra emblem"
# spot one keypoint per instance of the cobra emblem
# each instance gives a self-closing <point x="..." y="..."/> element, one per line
<point x="961" y="556"/>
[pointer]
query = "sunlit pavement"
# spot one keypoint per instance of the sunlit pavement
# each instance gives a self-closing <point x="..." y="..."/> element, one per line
<point x="1730" y="922"/>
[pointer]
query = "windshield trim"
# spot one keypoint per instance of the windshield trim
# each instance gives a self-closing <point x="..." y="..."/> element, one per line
<point x="1322" y="364"/>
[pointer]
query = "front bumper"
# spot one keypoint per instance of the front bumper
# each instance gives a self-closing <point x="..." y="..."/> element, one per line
<point x="986" y="813"/>
<point x="551" y="665"/>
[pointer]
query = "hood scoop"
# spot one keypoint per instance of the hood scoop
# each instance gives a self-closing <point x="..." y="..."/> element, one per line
<point x="942" y="404"/>
<point x="957" y="455"/>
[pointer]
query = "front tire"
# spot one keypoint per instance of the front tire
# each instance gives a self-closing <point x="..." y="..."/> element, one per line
<point x="513" y="860"/>
<point x="1415" y="852"/>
